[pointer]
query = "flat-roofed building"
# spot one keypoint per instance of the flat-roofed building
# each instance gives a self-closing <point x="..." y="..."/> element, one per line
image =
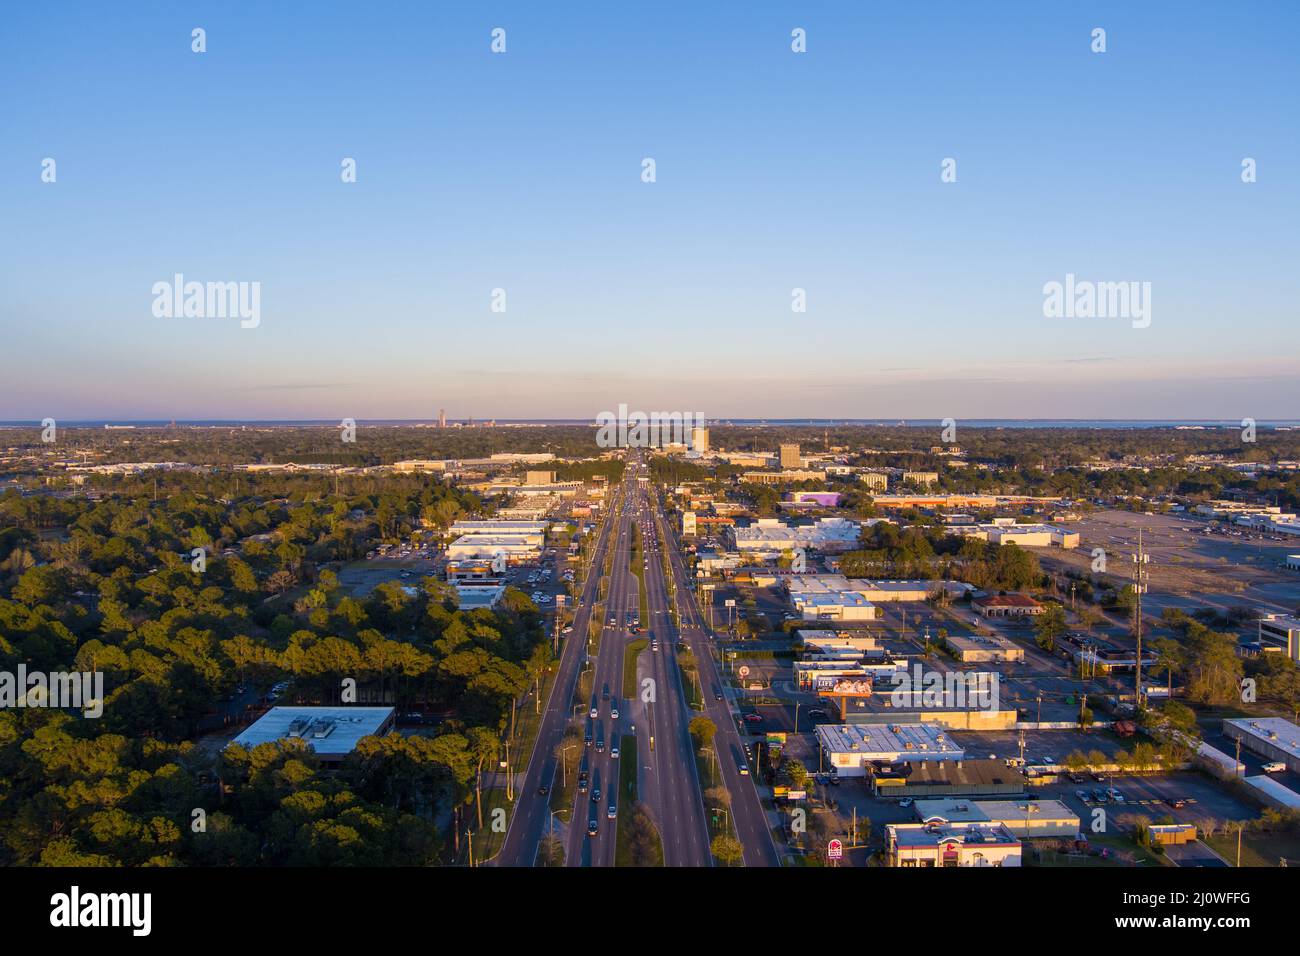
<point x="772" y="535"/>
<point x="816" y="642"/>
<point x="333" y="732"/>
<point x="700" y="439"/>
<point x="782" y="477"/>
<point x="924" y="478"/>
<point x="1024" y="818"/>
<point x="850" y="748"/>
<point x="991" y="779"/>
<point x="1006" y="531"/>
<point x="789" y="456"/>
<point x="1273" y="737"/>
<point x="953" y="844"/>
<point x="978" y="649"/>
<point x="1281" y="631"/>
<point x="881" y="592"/>
<point x="875" y="480"/>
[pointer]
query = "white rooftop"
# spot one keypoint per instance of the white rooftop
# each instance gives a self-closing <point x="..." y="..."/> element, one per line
<point x="1276" y="731"/>
<point x="329" y="730"/>
<point x="889" y="741"/>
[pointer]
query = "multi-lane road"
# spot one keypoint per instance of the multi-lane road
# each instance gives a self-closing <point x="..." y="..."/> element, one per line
<point x="749" y="820"/>
<point x="668" y="783"/>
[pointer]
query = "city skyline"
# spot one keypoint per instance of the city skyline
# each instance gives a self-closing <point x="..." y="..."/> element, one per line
<point x="775" y="172"/>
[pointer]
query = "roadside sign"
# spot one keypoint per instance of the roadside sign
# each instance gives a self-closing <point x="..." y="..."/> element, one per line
<point x="834" y="850"/>
<point x="729" y="602"/>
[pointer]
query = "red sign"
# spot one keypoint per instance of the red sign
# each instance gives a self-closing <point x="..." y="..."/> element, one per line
<point x="834" y="850"/>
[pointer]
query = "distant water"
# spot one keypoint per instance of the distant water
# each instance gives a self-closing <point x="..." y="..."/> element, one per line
<point x="1097" y="423"/>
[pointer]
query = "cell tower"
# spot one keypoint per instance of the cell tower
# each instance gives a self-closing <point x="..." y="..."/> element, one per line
<point x="1140" y="561"/>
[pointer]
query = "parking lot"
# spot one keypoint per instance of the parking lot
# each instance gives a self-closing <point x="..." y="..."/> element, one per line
<point x="1227" y="568"/>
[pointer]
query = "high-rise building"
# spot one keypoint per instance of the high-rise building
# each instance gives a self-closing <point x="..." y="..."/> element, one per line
<point x="790" y="456"/>
<point x="442" y="418"/>
<point x="700" y="439"/>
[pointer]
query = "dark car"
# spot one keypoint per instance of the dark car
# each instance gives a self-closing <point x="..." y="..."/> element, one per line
<point x="543" y="790"/>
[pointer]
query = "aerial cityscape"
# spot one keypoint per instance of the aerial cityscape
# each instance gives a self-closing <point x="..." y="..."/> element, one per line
<point x="437" y="439"/>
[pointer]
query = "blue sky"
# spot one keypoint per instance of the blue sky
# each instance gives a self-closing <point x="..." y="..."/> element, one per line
<point x="774" y="171"/>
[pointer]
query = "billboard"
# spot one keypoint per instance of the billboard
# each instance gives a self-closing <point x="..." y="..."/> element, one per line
<point x="847" y="687"/>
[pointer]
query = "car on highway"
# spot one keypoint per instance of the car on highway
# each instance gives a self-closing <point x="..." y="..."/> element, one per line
<point x="613" y="811"/>
<point x="744" y="769"/>
<point x="613" y="708"/>
<point x="595" y="709"/>
<point x="1274" y="766"/>
<point x="595" y="794"/>
<point x="717" y="693"/>
<point x="543" y="790"/>
<point x="613" y="750"/>
<point x="593" y="826"/>
<point x="654" y="644"/>
<point x="1176" y="802"/>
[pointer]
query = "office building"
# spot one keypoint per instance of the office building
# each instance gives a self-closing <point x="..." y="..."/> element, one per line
<point x="700" y="440"/>
<point x="789" y="456"/>
<point x="875" y="480"/>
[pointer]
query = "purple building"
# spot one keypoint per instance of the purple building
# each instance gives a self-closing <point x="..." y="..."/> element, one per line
<point x="825" y="499"/>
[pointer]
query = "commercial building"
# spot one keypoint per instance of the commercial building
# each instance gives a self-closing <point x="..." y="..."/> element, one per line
<point x="943" y="502"/>
<point x="782" y="477"/>
<point x="823" y="499"/>
<point x="333" y="732"/>
<point x="880" y="592"/>
<point x="1006" y="531"/>
<point x="1275" y="738"/>
<point x="472" y="571"/>
<point x="700" y="440"/>
<point x="924" y="478"/>
<point x="1281" y="632"/>
<point x="953" y="844"/>
<point x="976" y="649"/>
<point x="875" y="480"/>
<point x="841" y="606"/>
<point x="821" y="642"/>
<point x="688" y="522"/>
<point x="946" y="778"/>
<point x="517" y="541"/>
<point x="475" y="596"/>
<point x="789" y="456"/>
<point x="539" y="477"/>
<point x="851" y="748"/>
<point x="774" y="536"/>
<point x="1023" y="818"/>
<point x="1006" y="605"/>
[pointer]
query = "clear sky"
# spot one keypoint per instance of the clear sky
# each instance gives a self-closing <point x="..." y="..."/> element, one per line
<point x="775" y="170"/>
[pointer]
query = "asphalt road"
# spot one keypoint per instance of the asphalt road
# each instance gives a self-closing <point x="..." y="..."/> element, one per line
<point x="750" y="821"/>
<point x="531" y="817"/>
